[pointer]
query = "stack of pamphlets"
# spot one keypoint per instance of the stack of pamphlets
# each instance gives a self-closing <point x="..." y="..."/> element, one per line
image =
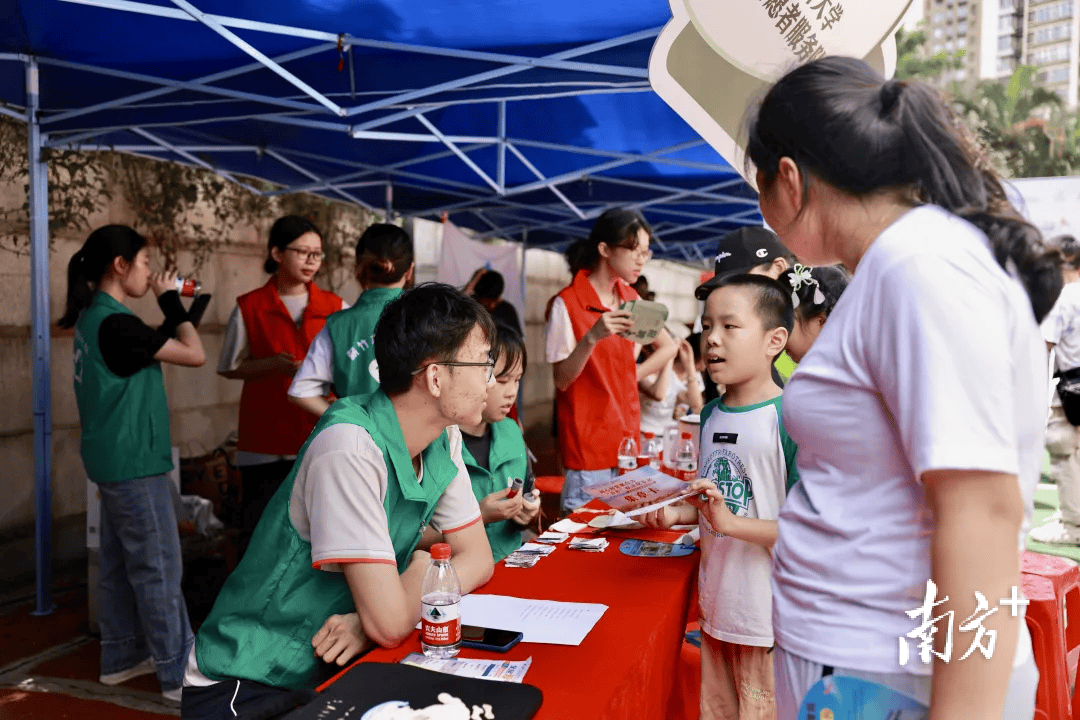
<point x="593" y="545"/>
<point x="552" y="537"/>
<point x="528" y="555"/>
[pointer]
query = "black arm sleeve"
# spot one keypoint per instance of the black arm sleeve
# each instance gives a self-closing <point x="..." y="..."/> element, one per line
<point x="128" y="344"/>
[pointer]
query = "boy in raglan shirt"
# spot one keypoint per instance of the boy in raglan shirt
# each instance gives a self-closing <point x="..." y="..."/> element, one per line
<point x="747" y="465"/>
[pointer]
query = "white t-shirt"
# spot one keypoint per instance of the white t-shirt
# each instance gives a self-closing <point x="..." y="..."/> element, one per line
<point x="337" y="505"/>
<point x="234" y="350"/>
<point x="930" y="360"/>
<point x="747" y="453"/>
<point x="315" y="378"/>
<point x="560" y="340"/>
<point x="657" y="414"/>
<point x="1062" y="327"/>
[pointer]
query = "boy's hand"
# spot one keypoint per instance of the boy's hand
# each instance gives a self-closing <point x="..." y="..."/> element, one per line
<point x="659" y="519"/>
<point x="529" y="510"/>
<point x="340" y="639"/>
<point x="714" y="506"/>
<point x="496" y="506"/>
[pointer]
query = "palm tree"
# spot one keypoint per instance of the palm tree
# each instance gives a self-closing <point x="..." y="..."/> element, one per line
<point x="1022" y="126"/>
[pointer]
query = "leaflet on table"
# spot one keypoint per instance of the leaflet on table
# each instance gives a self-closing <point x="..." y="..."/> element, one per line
<point x="502" y="670"/>
<point x="649" y="318"/>
<point x="640" y="491"/>
<point x="539" y="621"/>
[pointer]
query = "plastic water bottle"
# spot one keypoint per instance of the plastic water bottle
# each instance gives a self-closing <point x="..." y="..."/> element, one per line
<point x="686" y="459"/>
<point x="654" y="449"/>
<point x="671" y="448"/>
<point x="440" y="600"/>
<point x="628" y="452"/>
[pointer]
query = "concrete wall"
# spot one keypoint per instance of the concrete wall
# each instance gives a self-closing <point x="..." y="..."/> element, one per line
<point x="203" y="406"/>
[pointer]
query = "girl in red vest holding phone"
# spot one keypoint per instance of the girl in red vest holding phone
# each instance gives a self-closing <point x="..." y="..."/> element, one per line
<point x="595" y="371"/>
<point x="268" y="336"/>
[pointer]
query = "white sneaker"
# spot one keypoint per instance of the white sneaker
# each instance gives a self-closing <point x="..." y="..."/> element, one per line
<point x="174" y="695"/>
<point x="1056" y="533"/>
<point x="144" y="668"/>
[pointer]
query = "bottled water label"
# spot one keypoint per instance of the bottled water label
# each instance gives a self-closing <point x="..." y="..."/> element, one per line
<point x="627" y="462"/>
<point x="440" y="624"/>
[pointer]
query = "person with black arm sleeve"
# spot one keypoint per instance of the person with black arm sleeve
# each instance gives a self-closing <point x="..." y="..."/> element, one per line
<point x="127" y="451"/>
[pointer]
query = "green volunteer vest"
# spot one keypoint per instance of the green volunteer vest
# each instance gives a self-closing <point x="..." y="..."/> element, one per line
<point x="125" y="421"/>
<point x="352" y="332"/>
<point x="274" y="602"/>
<point x="505" y="459"/>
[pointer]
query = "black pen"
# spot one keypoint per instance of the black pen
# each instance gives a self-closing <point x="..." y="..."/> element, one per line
<point x="590" y="308"/>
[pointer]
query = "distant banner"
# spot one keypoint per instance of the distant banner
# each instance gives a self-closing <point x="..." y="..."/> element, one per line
<point x="717" y="57"/>
<point x="461" y="256"/>
<point x="1051" y="204"/>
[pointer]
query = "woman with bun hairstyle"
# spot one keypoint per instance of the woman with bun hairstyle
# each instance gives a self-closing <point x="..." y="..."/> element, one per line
<point x="268" y="335"/>
<point x="920" y="409"/>
<point x="595" y="371"/>
<point x="127" y="451"/>
<point x="341" y="360"/>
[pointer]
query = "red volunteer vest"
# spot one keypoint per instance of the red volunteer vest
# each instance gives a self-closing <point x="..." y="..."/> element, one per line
<point x="269" y="423"/>
<point x="601" y="406"/>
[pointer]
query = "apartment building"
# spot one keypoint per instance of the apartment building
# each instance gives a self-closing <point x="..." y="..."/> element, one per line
<point x="999" y="35"/>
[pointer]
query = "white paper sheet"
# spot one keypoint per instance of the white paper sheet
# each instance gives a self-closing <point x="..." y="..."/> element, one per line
<point x="540" y="621"/>
<point x="567" y="525"/>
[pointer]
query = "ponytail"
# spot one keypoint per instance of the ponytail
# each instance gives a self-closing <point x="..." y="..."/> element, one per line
<point x="838" y="120"/>
<point x="815" y="291"/>
<point x="88" y="266"/>
<point x="384" y="253"/>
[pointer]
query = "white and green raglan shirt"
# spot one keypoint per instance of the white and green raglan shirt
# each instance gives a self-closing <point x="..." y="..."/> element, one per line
<point x="751" y="458"/>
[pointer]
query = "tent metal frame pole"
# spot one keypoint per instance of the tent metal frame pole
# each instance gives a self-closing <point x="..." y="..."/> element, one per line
<point x="272" y="28"/>
<point x="533" y="169"/>
<point x="171" y="86"/>
<point x="500" y="169"/>
<point x="40" y="341"/>
<point x="235" y="39"/>
<point x="449" y="143"/>
<point x="193" y="159"/>
<point x="312" y="176"/>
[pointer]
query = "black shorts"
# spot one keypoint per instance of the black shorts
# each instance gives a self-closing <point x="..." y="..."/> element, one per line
<point x="246" y="699"/>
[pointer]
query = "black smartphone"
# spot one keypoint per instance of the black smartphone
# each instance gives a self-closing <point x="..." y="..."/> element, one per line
<point x="482" y="638"/>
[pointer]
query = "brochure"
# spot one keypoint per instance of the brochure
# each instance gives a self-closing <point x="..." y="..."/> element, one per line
<point x="640" y="491"/>
<point x="649" y="318"/>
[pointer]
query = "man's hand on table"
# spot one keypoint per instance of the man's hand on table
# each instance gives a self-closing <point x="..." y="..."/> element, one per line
<point x="529" y="510"/>
<point x="340" y="639"/>
<point x="497" y="506"/>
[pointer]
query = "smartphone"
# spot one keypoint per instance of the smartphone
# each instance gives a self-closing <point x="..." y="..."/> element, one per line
<point x="482" y="638"/>
<point x="515" y="488"/>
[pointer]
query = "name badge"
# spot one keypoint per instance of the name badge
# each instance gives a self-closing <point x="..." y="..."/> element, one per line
<point x="725" y="438"/>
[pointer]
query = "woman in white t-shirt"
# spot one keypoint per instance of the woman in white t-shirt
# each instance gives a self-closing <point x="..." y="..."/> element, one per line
<point x="920" y="409"/>
<point x="1061" y="330"/>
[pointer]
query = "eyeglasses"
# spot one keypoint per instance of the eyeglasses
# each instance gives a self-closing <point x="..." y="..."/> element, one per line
<point x="310" y="256"/>
<point x="645" y="254"/>
<point x="490" y="365"/>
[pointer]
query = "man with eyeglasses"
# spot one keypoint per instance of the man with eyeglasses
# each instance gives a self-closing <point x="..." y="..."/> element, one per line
<point x="333" y="566"/>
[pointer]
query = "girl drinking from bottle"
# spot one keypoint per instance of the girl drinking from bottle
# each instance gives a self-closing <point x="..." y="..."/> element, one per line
<point x="127" y="451"/>
<point x="595" y="373"/>
<point x="268" y="335"/>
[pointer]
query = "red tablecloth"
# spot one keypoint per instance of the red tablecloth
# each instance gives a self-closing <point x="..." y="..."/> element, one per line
<point x="626" y="667"/>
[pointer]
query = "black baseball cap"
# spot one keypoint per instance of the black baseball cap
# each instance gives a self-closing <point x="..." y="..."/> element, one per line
<point x="740" y="251"/>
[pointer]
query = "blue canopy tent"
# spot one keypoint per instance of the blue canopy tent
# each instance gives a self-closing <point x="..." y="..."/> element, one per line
<point x="516" y="118"/>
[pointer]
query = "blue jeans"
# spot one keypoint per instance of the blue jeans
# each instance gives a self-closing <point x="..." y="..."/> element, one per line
<point x="142" y="613"/>
<point x="573" y="491"/>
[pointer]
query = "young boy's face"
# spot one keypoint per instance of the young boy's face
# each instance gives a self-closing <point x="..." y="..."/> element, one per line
<point x="735" y="345"/>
